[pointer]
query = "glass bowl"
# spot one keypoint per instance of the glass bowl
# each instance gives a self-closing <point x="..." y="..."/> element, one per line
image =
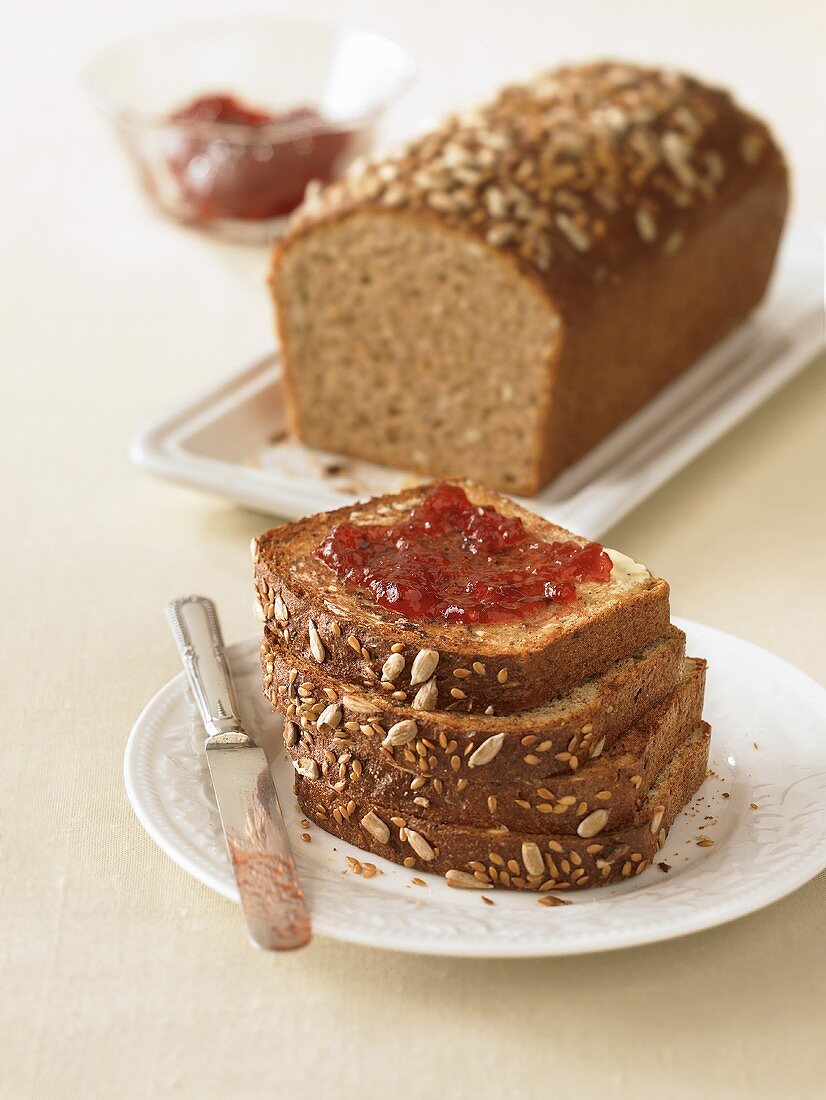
<point x="227" y="121"/>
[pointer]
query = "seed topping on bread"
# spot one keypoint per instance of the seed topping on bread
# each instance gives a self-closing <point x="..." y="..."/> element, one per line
<point x="316" y="645"/>
<point x="486" y="751"/>
<point x="424" y="665"/>
<point x="560" y="163"/>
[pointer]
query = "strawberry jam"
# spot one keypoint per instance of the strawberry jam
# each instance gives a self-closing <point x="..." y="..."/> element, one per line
<point x="254" y="173"/>
<point x="464" y="563"/>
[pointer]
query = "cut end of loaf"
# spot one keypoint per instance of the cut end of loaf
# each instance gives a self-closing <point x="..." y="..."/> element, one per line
<point x="418" y="346"/>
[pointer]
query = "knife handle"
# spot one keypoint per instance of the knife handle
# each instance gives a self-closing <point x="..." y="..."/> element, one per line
<point x="197" y="633"/>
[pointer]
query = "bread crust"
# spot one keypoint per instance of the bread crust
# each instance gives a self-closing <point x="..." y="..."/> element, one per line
<point x="525" y="861"/>
<point x="646" y="206"/>
<point x="617" y="782"/>
<point x="506" y="667"/>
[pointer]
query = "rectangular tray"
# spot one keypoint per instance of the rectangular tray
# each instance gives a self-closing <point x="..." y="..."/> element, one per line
<point x="230" y="440"/>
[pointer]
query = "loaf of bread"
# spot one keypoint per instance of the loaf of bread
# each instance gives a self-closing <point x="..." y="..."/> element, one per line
<point x="496" y="297"/>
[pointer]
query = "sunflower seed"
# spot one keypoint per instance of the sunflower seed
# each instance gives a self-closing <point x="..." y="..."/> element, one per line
<point x="646" y="226"/>
<point x="316" y="645"/>
<point x="401" y="733"/>
<point x="673" y="243"/>
<point x="307" y="767"/>
<point x="329" y="718"/>
<point x="465" y="881"/>
<point x="532" y="858"/>
<point x="279" y="610"/>
<point x="376" y="827"/>
<point x="424" y="666"/>
<point x="425" y="698"/>
<point x="677" y="154"/>
<point x="597" y="749"/>
<point x="496" y="203"/>
<point x="486" y="751"/>
<point x="392" y="667"/>
<point x="575" y="236"/>
<point x="420" y="846"/>
<point x="592" y="824"/>
<point x="357" y="705"/>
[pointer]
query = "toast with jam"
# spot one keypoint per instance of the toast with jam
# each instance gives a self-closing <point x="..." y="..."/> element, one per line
<point x="472" y="690"/>
<point x="376" y="593"/>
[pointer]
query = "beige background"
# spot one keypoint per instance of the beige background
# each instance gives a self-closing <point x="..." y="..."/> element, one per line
<point x="119" y="975"/>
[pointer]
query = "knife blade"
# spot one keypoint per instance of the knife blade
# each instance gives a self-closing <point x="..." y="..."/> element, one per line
<point x="272" y="899"/>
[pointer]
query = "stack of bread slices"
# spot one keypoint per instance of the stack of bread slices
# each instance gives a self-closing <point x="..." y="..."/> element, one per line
<point x="545" y="754"/>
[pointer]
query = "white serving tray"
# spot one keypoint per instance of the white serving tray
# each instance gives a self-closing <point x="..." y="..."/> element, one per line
<point x="230" y="440"/>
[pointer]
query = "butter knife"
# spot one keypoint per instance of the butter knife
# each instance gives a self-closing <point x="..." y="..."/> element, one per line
<point x="259" y="849"/>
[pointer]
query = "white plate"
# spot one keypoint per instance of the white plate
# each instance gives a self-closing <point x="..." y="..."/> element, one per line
<point x="768" y="749"/>
<point x="230" y="439"/>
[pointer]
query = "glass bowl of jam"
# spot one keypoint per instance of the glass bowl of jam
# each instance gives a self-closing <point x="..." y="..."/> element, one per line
<point x="227" y="122"/>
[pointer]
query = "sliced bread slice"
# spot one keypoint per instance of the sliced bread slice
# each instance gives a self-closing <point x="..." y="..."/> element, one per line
<point x="557" y="738"/>
<point x="494" y="668"/>
<point x="482" y="858"/>
<point x="609" y="789"/>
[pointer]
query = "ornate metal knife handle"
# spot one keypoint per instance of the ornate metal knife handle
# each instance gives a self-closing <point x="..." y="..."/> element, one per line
<point x="257" y="841"/>
<point x="194" y="622"/>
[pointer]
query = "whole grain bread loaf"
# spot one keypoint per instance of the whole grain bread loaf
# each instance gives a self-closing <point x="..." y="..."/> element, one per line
<point x="482" y="858"/>
<point x="610" y="787"/>
<point x="554" y="739"/>
<point x="496" y="297"/>
<point x="494" y="668"/>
